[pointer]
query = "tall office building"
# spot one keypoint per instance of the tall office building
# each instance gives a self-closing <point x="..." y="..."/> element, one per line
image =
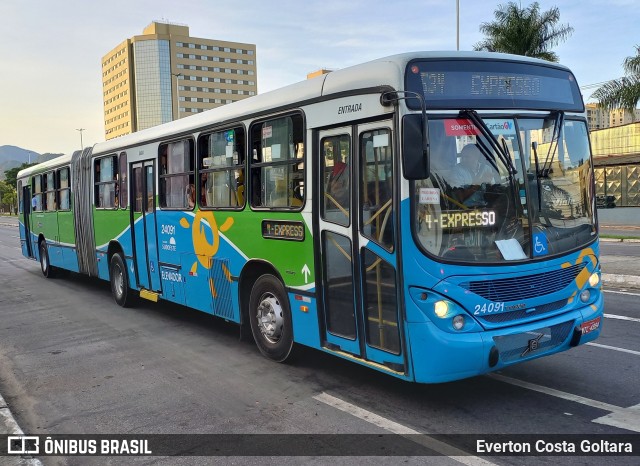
<point x="164" y="74"/>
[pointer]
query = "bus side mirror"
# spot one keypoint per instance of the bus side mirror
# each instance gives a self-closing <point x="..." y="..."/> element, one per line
<point x="415" y="148"/>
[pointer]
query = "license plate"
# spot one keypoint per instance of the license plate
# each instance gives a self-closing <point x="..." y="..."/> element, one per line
<point x="590" y="325"/>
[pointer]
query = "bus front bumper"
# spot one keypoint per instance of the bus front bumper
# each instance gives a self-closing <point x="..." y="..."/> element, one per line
<point x="440" y="356"/>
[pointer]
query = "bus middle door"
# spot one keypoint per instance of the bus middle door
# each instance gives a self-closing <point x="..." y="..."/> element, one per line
<point x="143" y="225"/>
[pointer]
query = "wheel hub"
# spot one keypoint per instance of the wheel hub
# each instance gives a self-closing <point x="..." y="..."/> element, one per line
<point x="270" y="318"/>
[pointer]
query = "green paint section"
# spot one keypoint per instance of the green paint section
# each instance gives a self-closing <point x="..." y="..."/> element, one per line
<point x="289" y="257"/>
<point x="45" y="223"/>
<point x="108" y="224"/>
<point x="66" y="230"/>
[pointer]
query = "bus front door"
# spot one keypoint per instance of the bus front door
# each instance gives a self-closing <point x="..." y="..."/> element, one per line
<point x="357" y="243"/>
<point x="143" y="225"/>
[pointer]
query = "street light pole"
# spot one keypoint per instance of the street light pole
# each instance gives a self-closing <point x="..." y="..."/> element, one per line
<point x="81" y="130"/>
<point x="178" y="76"/>
<point x="457" y="24"/>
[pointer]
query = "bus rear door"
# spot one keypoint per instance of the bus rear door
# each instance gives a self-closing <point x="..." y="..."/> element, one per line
<point x="357" y="244"/>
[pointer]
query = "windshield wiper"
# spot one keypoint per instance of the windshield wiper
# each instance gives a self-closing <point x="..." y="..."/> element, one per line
<point x="501" y="150"/>
<point x="534" y="149"/>
<point x="551" y="153"/>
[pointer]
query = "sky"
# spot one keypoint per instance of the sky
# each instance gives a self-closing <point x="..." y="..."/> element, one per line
<point x="50" y="51"/>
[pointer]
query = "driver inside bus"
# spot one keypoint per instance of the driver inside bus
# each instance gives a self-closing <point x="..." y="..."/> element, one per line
<point x="475" y="167"/>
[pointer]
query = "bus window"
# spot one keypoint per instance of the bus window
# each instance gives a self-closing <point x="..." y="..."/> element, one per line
<point x="64" y="188"/>
<point x="221" y="165"/>
<point x="277" y="163"/>
<point x="20" y="200"/>
<point x="376" y="163"/>
<point x="50" y="192"/>
<point x="36" y="189"/>
<point x="105" y="182"/>
<point x="123" y="194"/>
<point x="177" y="188"/>
<point x="336" y="169"/>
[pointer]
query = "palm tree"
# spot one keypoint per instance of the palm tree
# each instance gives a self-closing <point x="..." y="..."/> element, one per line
<point x="624" y="92"/>
<point x="524" y="31"/>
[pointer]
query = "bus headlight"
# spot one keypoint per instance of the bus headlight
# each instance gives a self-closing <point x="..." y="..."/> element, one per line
<point x="594" y="279"/>
<point x="441" y="308"/>
<point x="585" y="295"/>
<point x="458" y="322"/>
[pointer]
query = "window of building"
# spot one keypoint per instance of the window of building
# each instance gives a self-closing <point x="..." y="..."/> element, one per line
<point x="221" y="165"/>
<point x="177" y="188"/>
<point x="105" y="178"/>
<point x="277" y="164"/>
<point x="64" y="188"/>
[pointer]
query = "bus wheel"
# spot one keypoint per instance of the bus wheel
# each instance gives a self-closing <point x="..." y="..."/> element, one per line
<point x="119" y="281"/>
<point x="47" y="270"/>
<point x="270" y="318"/>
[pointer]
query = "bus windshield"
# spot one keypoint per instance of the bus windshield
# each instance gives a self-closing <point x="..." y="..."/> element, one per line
<point x="505" y="189"/>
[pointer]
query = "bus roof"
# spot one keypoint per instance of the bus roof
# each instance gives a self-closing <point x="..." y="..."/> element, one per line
<point x="386" y="71"/>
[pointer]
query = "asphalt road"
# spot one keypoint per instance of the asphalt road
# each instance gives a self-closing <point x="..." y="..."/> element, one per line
<point x="71" y="361"/>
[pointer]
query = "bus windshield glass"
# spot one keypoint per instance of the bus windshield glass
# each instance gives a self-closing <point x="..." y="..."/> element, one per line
<point x="484" y="85"/>
<point x="505" y="189"/>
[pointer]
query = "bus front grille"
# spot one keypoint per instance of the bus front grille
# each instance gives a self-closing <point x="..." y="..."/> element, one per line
<point x="526" y="287"/>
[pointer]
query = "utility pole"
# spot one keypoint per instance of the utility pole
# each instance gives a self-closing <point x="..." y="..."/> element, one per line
<point x="81" y="130"/>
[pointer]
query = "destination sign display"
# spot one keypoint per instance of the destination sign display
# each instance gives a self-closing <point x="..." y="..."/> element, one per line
<point x="479" y="84"/>
<point x="282" y="229"/>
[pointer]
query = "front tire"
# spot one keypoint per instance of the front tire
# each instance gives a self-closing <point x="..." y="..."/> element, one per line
<point x="270" y="318"/>
<point x="120" y="282"/>
<point x="45" y="265"/>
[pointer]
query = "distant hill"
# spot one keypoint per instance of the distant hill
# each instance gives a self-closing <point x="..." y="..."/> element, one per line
<point x="12" y="156"/>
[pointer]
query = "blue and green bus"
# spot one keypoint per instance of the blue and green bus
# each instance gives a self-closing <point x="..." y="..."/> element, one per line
<point x="429" y="215"/>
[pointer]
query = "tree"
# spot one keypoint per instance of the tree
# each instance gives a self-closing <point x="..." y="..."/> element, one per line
<point x="624" y="92"/>
<point x="8" y="197"/>
<point x="11" y="175"/>
<point x="524" y="31"/>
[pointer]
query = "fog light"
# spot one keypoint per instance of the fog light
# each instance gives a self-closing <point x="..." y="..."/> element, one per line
<point x="594" y="279"/>
<point x="458" y="322"/>
<point x="441" y="308"/>
<point x="585" y="295"/>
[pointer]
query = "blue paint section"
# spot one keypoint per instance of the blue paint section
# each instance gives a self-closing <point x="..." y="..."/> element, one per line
<point x="103" y="265"/>
<point x="305" y="324"/>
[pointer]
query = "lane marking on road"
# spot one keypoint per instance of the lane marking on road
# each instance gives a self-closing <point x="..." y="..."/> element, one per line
<point x="621" y="292"/>
<point x="624" y="418"/>
<point x="393" y="427"/>
<point x="615" y="348"/>
<point x="613" y="316"/>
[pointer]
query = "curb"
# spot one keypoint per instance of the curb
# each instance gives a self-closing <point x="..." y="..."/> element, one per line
<point x="620" y="240"/>
<point x="9" y="426"/>
<point x="631" y="281"/>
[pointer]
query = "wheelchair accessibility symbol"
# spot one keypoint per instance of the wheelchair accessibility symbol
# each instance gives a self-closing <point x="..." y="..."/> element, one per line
<point x="540" y="245"/>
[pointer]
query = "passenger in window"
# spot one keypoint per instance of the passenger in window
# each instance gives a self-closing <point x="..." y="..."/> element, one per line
<point x="190" y="195"/>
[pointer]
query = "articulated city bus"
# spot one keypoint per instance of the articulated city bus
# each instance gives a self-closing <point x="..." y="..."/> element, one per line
<point x="429" y="215"/>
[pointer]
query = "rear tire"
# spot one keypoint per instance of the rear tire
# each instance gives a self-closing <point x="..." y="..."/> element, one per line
<point x="270" y="318"/>
<point x="45" y="265"/>
<point x="120" y="282"/>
